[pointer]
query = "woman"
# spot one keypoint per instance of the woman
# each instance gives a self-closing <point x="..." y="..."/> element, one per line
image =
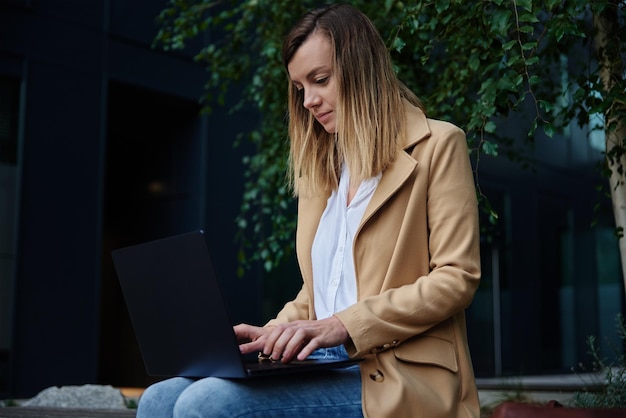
<point x="387" y="244"/>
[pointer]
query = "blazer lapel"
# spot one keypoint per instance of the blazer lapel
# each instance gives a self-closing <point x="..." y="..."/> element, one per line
<point x="398" y="172"/>
<point x="393" y="177"/>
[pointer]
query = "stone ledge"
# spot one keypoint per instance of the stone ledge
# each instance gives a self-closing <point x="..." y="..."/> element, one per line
<point x="32" y="412"/>
<point x="559" y="382"/>
<point x="541" y="389"/>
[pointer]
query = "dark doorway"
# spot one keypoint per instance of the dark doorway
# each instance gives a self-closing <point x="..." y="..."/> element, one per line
<point x="153" y="188"/>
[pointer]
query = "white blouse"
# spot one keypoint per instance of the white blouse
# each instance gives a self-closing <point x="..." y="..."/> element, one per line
<point x="334" y="278"/>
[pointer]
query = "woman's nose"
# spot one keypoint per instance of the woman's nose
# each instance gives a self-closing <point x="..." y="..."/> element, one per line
<point x="311" y="99"/>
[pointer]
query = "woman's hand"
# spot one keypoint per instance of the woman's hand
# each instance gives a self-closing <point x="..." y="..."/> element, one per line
<point x="250" y="338"/>
<point x="292" y="340"/>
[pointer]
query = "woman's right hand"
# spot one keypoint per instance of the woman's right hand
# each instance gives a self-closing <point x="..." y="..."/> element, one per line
<point x="297" y="339"/>
<point x="251" y="338"/>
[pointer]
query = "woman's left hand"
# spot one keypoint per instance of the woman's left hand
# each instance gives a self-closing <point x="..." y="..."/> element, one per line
<point x="298" y="339"/>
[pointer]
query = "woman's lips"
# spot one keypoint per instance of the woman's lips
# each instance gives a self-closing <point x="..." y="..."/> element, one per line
<point x="323" y="117"/>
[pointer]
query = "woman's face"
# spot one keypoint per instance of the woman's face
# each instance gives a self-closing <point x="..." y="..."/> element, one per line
<point x="311" y="72"/>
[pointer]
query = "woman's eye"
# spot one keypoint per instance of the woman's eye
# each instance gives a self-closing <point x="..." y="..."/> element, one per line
<point x="321" y="80"/>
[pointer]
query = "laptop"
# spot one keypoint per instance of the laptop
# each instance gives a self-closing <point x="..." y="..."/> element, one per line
<point x="179" y="316"/>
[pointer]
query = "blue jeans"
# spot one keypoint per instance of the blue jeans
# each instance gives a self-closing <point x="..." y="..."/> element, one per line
<point x="328" y="393"/>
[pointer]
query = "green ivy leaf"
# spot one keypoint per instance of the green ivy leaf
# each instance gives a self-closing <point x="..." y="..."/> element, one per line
<point x="490" y="148"/>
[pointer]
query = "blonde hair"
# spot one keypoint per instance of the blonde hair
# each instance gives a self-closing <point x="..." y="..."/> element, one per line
<point x="370" y="114"/>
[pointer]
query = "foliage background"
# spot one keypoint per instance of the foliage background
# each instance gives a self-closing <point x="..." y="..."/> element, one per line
<point x="472" y="63"/>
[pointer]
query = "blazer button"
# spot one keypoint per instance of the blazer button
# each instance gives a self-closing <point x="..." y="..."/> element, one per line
<point x="377" y="376"/>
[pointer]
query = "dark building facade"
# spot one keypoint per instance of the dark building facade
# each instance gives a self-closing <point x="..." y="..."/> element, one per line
<point x="102" y="145"/>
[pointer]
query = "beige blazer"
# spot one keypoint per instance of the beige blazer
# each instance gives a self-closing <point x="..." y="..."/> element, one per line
<point x="416" y="256"/>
